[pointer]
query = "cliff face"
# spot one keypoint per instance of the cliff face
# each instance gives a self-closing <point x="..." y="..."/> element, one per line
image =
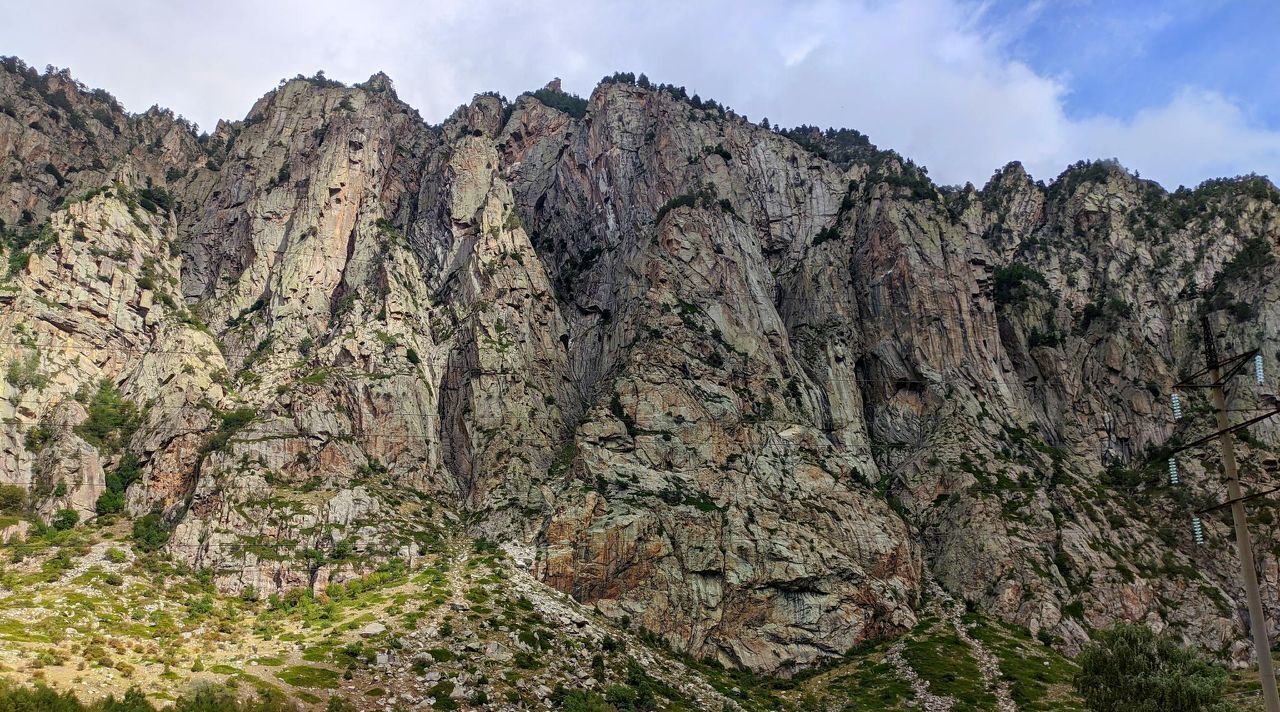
<point x="684" y="367"/>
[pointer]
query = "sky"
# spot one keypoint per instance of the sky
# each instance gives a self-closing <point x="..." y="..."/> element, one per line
<point x="1180" y="90"/>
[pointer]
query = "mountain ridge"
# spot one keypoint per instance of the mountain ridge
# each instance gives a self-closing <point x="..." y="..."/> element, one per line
<point x="710" y="382"/>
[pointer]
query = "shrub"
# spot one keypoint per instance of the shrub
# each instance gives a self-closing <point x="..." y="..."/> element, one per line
<point x="155" y="200"/>
<point x="563" y="459"/>
<point x="843" y="147"/>
<point x="1109" y="309"/>
<point x="151" y="532"/>
<point x="584" y="701"/>
<point x="718" y="150"/>
<point x="229" y="423"/>
<point x="23" y="240"/>
<point x="1242" y="311"/>
<point x="570" y="104"/>
<point x="914" y="178"/>
<point x="38" y="436"/>
<point x="1131" y="668"/>
<point x="680" y="201"/>
<point x="65" y="519"/>
<point x="25" y="373"/>
<point x="57" y="175"/>
<point x="1012" y="283"/>
<point x="441" y="655"/>
<point x="109" y="502"/>
<point x="825" y="234"/>
<point x="42" y="699"/>
<point x="339" y="704"/>
<point x="704" y="197"/>
<point x="1255" y="256"/>
<point x="1047" y="337"/>
<point x="112" y="419"/>
<point x="18" y="260"/>
<point x="126" y="473"/>
<point x="12" y="498"/>
<point x="615" y="407"/>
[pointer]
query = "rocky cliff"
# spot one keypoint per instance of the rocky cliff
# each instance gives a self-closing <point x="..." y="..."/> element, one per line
<point x="750" y="390"/>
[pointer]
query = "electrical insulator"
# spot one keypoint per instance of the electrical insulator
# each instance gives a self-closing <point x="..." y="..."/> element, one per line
<point x="1197" y="529"/>
<point x="1177" y="406"/>
<point x="1173" y="471"/>
<point x="1257" y="368"/>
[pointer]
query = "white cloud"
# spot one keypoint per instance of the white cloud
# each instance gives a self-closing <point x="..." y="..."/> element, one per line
<point x="930" y="78"/>
<point x="1197" y="134"/>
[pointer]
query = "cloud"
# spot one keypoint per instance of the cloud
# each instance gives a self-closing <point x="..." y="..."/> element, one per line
<point x="934" y="79"/>
<point x="1198" y="134"/>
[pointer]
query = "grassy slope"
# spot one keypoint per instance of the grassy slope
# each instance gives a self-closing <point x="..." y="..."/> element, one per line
<point x="862" y="680"/>
<point x="84" y="611"/>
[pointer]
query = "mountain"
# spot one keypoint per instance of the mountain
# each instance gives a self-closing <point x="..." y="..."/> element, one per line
<point x="760" y="396"/>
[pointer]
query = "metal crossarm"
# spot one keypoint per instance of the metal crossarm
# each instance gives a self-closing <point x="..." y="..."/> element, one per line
<point x="1245" y="498"/>
<point x="1217" y="373"/>
<point x="1220" y="433"/>
<point x="1229" y="368"/>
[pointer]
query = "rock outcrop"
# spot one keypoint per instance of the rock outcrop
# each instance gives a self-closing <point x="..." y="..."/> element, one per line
<point x="744" y="388"/>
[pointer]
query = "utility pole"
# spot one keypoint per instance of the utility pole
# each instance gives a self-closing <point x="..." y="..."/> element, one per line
<point x="1218" y="373"/>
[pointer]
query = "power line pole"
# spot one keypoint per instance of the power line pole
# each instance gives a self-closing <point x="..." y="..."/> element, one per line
<point x="1214" y="372"/>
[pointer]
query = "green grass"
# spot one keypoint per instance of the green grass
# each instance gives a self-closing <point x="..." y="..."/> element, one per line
<point x="863" y="682"/>
<point x="318" y="653"/>
<point x="307" y="676"/>
<point x="1039" y="678"/>
<point x="441" y="655"/>
<point x="871" y="685"/>
<point x="19" y="632"/>
<point x="1244" y="689"/>
<point x="941" y="658"/>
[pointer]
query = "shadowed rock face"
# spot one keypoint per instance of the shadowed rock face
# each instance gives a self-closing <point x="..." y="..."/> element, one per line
<point x="744" y="396"/>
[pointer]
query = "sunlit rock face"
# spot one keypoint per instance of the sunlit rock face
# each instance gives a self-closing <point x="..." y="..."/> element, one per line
<point x="748" y="389"/>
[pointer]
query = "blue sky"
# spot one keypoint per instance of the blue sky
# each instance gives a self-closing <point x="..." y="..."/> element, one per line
<point x="1180" y="91"/>
<point x="1118" y="57"/>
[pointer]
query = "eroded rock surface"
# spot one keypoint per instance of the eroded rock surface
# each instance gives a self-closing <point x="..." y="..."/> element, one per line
<point x="742" y="387"/>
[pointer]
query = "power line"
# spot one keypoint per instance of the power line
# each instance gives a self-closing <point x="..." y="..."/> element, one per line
<point x="1214" y="376"/>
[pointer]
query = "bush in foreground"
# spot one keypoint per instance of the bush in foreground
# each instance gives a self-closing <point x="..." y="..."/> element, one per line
<point x="1129" y="668"/>
<point x="201" y="698"/>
